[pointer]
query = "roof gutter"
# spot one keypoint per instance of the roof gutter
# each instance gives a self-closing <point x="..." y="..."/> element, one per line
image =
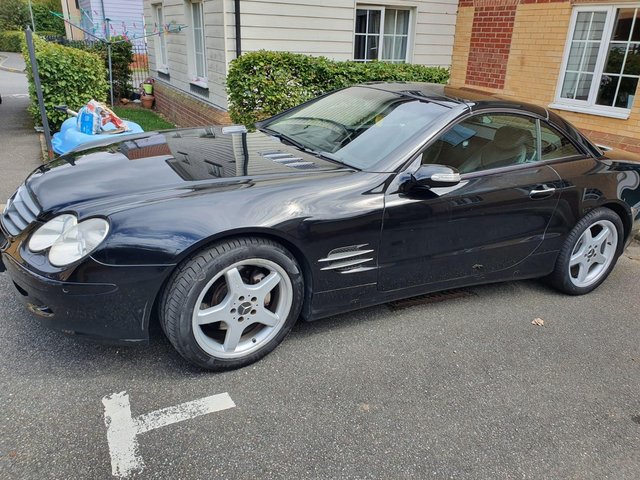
<point x="238" y="29"/>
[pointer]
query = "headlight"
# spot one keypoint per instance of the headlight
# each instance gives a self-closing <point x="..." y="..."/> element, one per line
<point x="51" y="231"/>
<point x="78" y="241"/>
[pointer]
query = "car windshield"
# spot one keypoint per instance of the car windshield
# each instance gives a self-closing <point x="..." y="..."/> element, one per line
<point x="357" y="126"/>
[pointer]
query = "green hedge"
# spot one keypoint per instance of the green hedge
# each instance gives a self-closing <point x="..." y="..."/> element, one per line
<point x="14" y="15"/>
<point x="11" y="41"/>
<point x="121" y="59"/>
<point x="262" y="84"/>
<point x="69" y="77"/>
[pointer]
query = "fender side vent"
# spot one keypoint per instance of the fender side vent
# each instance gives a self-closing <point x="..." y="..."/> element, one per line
<point x="350" y="259"/>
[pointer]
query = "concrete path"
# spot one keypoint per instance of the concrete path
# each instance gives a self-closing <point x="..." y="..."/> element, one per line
<point x="20" y="144"/>
<point x="12" y="62"/>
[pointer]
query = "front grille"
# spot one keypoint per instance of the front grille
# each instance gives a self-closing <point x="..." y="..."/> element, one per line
<point x="21" y="210"/>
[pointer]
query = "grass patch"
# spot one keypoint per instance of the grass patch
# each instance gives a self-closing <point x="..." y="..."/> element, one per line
<point x="147" y="119"/>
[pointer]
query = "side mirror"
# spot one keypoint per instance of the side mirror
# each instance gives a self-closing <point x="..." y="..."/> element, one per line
<point x="430" y="176"/>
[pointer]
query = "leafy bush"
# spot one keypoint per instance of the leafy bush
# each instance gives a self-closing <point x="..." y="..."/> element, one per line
<point x="14" y="15"/>
<point x="11" y="41"/>
<point x="69" y="77"/>
<point x="121" y="60"/>
<point x="43" y="18"/>
<point x="264" y="83"/>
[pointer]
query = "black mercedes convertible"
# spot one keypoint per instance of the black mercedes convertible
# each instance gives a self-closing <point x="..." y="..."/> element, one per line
<point x="363" y="196"/>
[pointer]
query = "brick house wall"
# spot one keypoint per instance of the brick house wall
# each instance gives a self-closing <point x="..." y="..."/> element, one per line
<point x="185" y="110"/>
<point x="515" y="48"/>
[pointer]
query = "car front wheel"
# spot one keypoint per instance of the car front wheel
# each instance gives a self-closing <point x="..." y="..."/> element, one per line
<point x="589" y="253"/>
<point x="231" y="304"/>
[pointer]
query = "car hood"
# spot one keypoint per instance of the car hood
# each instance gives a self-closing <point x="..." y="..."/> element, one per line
<point x="157" y="164"/>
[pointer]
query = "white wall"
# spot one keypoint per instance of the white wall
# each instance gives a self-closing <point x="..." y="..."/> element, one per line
<point x="178" y="53"/>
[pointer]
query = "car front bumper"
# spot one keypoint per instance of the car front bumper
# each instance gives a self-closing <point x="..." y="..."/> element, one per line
<point x="115" y="312"/>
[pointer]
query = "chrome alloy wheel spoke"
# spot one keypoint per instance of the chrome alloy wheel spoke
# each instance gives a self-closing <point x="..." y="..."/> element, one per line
<point x="249" y="315"/>
<point x="593" y="253"/>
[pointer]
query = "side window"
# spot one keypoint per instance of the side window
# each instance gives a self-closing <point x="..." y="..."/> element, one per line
<point x="485" y="141"/>
<point x="555" y="145"/>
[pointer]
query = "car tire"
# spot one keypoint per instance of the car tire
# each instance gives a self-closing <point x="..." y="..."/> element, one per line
<point x="589" y="253"/>
<point x="232" y="303"/>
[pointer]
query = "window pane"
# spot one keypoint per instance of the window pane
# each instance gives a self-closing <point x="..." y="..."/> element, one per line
<point x="626" y="92"/>
<point x="589" y="25"/>
<point x="615" y="57"/>
<point x="622" y="28"/>
<point x="374" y="21"/>
<point x="597" y="25"/>
<point x="607" y="90"/>
<point x="632" y="65"/>
<point x="359" y="48"/>
<point x="390" y="21"/>
<point x="575" y="56"/>
<point x="372" y="48"/>
<point x="635" y="37"/>
<point x="576" y="86"/>
<point x="590" y="56"/>
<point x="569" y="85"/>
<point x="402" y="24"/>
<point x="555" y="145"/>
<point x="484" y="142"/>
<point x="198" y="39"/>
<point x="388" y="47"/>
<point x="584" y="85"/>
<point x="361" y="21"/>
<point x="400" y="51"/>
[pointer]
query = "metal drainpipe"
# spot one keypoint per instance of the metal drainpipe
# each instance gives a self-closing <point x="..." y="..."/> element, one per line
<point x="238" y="29"/>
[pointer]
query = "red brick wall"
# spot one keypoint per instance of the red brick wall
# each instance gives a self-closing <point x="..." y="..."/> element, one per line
<point x="185" y="110"/>
<point x="490" y="43"/>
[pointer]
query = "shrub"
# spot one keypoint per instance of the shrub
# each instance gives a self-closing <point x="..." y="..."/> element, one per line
<point x="121" y="60"/>
<point x="11" y="41"/>
<point x="14" y="14"/>
<point x="262" y="84"/>
<point x="43" y="18"/>
<point x="69" y="77"/>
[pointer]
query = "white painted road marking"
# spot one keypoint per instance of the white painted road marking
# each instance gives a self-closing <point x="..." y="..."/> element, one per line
<point x="123" y="430"/>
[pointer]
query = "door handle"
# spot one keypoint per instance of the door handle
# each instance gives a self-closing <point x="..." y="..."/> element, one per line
<point x="542" y="192"/>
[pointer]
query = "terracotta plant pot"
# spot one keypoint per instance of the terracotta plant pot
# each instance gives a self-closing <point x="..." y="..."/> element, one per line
<point x="147" y="101"/>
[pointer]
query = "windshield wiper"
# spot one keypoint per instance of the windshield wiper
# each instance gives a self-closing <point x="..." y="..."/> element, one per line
<point x="282" y="137"/>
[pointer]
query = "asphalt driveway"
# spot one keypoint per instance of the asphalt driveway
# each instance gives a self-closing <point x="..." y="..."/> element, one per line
<point x="462" y="388"/>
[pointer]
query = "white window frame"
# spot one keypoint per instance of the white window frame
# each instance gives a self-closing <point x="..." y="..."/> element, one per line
<point x="162" y="55"/>
<point x="382" y="9"/>
<point x="589" y="106"/>
<point x="194" y="78"/>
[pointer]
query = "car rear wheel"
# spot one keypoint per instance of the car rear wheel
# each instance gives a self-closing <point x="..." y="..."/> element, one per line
<point x="231" y="304"/>
<point x="589" y="253"/>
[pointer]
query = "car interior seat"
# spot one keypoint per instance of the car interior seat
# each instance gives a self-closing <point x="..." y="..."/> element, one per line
<point x="510" y="146"/>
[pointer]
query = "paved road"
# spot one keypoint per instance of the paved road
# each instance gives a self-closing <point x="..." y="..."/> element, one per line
<point x="465" y="388"/>
<point x="19" y="143"/>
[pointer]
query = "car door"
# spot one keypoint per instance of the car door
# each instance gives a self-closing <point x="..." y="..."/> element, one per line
<point x="492" y="220"/>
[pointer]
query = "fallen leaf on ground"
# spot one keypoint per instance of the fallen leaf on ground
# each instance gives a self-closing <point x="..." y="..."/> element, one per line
<point x="538" y="321"/>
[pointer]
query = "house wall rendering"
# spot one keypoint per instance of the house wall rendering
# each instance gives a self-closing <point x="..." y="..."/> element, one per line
<point x="414" y="31"/>
<point x="580" y="58"/>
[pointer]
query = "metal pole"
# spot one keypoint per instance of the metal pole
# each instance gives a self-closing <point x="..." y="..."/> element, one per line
<point x="108" y="39"/>
<point x="38" y="85"/>
<point x="110" y="72"/>
<point x="33" y="24"/>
